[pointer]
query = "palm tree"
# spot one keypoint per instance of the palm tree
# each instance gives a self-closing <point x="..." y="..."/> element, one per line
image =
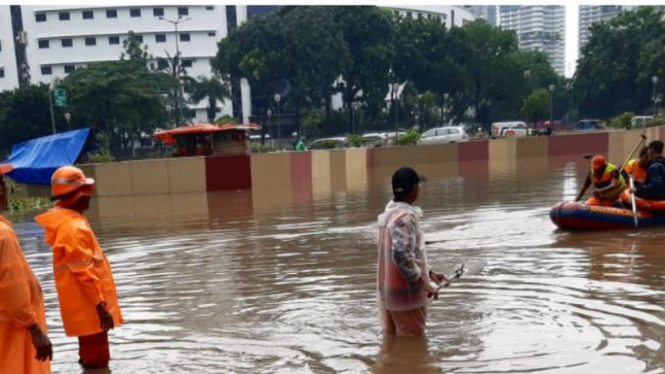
<point x="172" y="65"/>
<point x="212" y="89"/>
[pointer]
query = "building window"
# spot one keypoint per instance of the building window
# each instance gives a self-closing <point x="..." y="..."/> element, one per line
<point x="160" y="38"/>
<point x="40" y="17"/>
<point x="158" y="12"/>
<point x="67" y="43"/>
<point x="111" y="13"/>
<point x="408" y="14"/>
<point x="183" y="11"/>
<point x="69" y="69"/>
<point x="185" y="37"/>
<point x="396" y="12"/>
<point x="47" y="70"/>
<point x="187" y="63"/>
<point x="210" y="8"/>
<point x="43" y="44"/>
<point x="63" y="16"/>
<point x="420" y="16"/>
<point x="139" y="38"/>
<point x="2" y="73"/>
<point x="114" y="40"/>
<point x="88" y="14"/>
<point x="90" y="41"/>
<point x="136" y="12"/>
<point x="162" y="64"/>
<point x="212" y="33"/>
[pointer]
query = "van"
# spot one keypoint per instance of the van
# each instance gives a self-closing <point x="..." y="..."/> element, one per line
<point x="514" y="129"/>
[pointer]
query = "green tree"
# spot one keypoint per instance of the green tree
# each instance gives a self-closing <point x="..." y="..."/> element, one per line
<point x="211" y="89"/>
<point x="615" y="69"/>
<point x="537" y="105"/>
<point x="134" y="50"/>
<point x="172" y="66"/>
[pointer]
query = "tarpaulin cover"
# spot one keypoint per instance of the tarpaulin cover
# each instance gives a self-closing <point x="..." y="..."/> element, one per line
<point x="36" y="160"/>
<point x="168" y="136"/>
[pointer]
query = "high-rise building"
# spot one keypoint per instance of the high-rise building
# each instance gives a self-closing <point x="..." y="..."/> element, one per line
<point x="538" y="28"/>
<point x="486" y="12"/>
<point x="590" y="14"/>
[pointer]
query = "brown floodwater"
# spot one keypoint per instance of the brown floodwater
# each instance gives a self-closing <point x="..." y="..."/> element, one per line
<point x="240" y="282"/>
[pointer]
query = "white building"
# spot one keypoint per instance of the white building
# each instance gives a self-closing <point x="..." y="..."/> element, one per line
<point x="449" y="15"/>
<point x="486" y="12"/>
<point x="590" y="14"/>
<point x="61" y="39"/>
<point x="540" y="28"/>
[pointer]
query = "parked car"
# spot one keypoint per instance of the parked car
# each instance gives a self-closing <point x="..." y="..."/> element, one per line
<point x="377" y="139"/>
<point x="589" y="124"/>
<point x="328" y="143"/>
<point x="639" y="122"/>
<point x="448" y="134"/>
<point x="514" y="129"/>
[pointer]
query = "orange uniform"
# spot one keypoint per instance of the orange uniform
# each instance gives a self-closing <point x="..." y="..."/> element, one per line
<point x="21" y="306"/>
<point x="82" y="273"/>
<point x="639" y="174"/>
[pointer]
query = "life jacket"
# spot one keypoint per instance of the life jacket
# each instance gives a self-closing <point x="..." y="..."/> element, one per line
<point x="605" y="180"/>
<point x="639" y="174"/>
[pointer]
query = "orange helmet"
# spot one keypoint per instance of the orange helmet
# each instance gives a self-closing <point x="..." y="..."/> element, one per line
<point x="598" y="162"/>
<point x="68" y="179"/>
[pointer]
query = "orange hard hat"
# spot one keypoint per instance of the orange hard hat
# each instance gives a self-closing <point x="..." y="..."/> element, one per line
<point x="598" y="162"/>
<point x="68" y="179"/>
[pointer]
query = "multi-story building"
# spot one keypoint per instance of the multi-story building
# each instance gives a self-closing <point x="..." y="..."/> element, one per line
<point x="449" y="15"/>
<point x="486" y="12"/>
<point x="540" y="28"/>
<point x="590" y="14"/>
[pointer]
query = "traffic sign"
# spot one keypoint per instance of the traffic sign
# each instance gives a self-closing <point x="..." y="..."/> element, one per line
<point x="60" y="98"/>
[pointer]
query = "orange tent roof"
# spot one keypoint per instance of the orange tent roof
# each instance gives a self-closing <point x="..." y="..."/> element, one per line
<point x="168" y="136"/>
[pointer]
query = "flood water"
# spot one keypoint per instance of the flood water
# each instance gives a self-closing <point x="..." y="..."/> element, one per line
<point x="290" y="288"/>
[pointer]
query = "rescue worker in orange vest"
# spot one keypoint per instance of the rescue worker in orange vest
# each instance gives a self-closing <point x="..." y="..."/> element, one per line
<point x="24" y="346"/>
<point x="86" y="291"/>
<point x="608" y="183"/>
<point x="637" y="167"/>
<point x="404" y="278"/>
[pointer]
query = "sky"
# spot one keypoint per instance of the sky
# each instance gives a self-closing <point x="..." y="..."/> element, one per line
<point x="572" y="41"/>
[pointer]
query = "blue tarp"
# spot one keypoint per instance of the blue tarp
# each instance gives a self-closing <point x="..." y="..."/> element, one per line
<point x="36" y="160"/>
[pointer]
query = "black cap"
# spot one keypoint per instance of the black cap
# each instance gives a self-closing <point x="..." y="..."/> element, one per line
<point x="404" y="180"/>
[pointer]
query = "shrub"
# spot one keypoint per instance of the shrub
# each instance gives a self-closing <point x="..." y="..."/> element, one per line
<point x="103" y="157"/>
<point x="356" y="140"/>
<point x="263" y="148"/>
<point x="622" y="121"/>
<point x="28" y="203"/>
<point x="411" y="138"/>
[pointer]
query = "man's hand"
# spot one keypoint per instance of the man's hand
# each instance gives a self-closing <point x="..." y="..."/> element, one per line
<point x="438" y="278"/>
<point x="41" y="343"/>
<point x="105" y="317"/>
<point x="431" y="291"/>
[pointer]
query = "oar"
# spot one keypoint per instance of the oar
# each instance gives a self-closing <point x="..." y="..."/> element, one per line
<point x="458" y="273"/>
<point x="643" y="138"/>
<point x="632" y="199"/>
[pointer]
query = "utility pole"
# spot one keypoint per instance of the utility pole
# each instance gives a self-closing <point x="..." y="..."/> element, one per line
<point x="176" y="66"/>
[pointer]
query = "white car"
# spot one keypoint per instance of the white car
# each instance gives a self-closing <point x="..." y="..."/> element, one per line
<point x="449" y="134"/>
<point x="328" y="143"/>
<point x="376" y="139"/>
<point x="514" y="129"/>
<point x="639" y="122"/>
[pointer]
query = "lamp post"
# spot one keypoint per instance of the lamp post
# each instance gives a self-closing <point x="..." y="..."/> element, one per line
<point x="168" y="108"/>
<point x="51" y="87"/>
<point x="527" y="77"/>
<point x="654" y="79"/>
<point x="445" y="108"/>
<point x="68" y="118"/>
<point x="354" y="106"/>
<point x="269" y="114"/>
<point x="395" y="90"/>
<point x="551" y="104"/>
<point x="176" y="66"/>
<point x="278" y="98"/>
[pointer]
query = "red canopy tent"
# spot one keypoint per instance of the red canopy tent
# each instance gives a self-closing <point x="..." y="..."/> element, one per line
<point x="168" y="136"/>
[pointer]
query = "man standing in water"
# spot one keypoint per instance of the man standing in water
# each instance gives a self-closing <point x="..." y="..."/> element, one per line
<point x="86" y="291"/>
<point x="403" y="274"/>
<point x="24" y="346"/>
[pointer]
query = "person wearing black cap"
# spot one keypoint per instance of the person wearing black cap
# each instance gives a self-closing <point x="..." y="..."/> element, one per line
<point x="403" y="275"/>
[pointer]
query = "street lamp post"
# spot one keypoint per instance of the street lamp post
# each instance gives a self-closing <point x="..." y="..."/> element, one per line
<point x="269" y="113"/>
<point x="168" y="108"/>
<point x="445" y="108"/>
<point x="51" y="87"/>
<point x="527" y="76"/>
<point x="278" y="98"/>
<point x="176" y="66"/>
<point x="551" y="105"/>
<point x="354" y="106"/>
<point x="395" y="90"/>
<point x="68" y="118"/>
<point x="654" y="79"/>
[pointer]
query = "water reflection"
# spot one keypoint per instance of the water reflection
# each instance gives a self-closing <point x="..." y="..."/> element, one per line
<point x="282" y="281"/>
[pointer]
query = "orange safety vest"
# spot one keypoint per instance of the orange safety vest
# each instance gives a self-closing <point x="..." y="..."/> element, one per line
<point x="639" y="174"/>
<point x="21" y="306"/>
<point x="82" y="272"/>
<point x="605" y="180"/>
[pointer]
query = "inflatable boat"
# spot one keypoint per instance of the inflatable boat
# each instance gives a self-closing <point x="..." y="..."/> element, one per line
<point x="580" y="216"/>
<point x="643" y="204"/>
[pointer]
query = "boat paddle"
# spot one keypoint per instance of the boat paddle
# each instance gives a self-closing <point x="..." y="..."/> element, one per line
<point x="632" y="199"/>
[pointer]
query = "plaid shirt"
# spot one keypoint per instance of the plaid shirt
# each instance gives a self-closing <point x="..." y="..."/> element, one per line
<point x="402" y="258"/>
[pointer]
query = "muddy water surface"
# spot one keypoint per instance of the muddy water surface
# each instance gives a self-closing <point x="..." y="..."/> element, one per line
<point x="289" y="288"/>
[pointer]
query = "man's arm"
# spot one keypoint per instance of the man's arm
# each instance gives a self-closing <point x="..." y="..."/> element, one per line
<point x="404" y="238"/>
<point x="587" y="184"/>
<point x="654" y="185"/>
<point x="613" y="182"/>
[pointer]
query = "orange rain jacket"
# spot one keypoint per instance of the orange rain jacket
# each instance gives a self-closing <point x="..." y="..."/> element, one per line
<point x="21" y="306"/>
<point x="82" y="272"/>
